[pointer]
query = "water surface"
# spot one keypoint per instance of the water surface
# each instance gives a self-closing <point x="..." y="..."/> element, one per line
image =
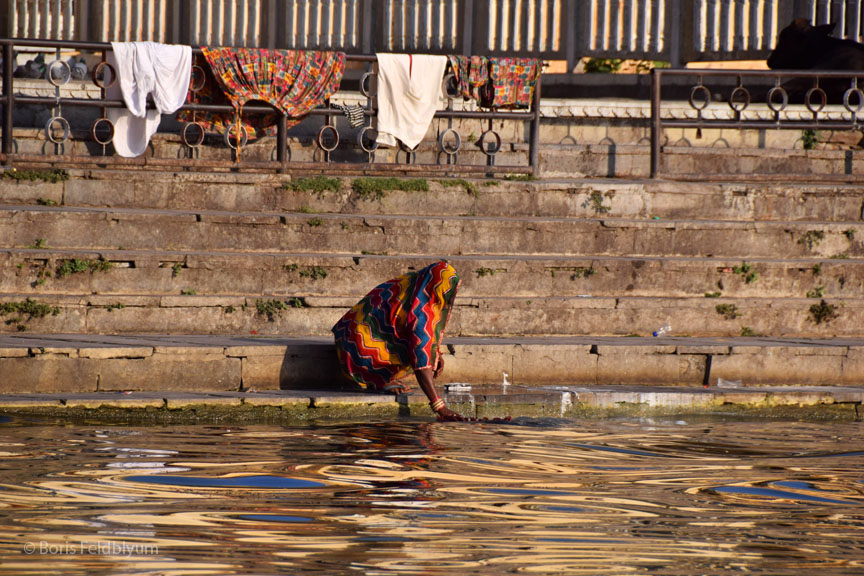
<point x="409" y="497"/>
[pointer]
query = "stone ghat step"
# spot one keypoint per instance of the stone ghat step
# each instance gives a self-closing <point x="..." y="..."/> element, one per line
<point x="472" y="316"/>
<point x="261" y="275"/>
<point x="119" y="229"/>
<point x="571" y="198"/>
<point x="69" y="363"/>
<point x="300" y="407"/>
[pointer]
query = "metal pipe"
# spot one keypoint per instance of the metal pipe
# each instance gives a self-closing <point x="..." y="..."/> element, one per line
<point x="656" y="122"/>
<point x="759" y="124"/>
<point x="534" y="144"/>
<point x="261" y="109"/>
<point x="281" y="139"/>
<point x="142" y="162"/>
<point x="8" y="99"/>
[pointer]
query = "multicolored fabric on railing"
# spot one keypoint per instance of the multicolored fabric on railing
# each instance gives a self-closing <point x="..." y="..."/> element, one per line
<point x="496" y="82"/>
<point x="293" y="81"/>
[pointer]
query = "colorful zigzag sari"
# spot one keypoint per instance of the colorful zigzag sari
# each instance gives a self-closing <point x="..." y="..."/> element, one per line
<point x="397" y="327"/>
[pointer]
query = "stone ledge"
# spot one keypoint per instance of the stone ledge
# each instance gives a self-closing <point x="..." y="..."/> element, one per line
<point x="484" y="402"/>
<point x="229" y="364"/>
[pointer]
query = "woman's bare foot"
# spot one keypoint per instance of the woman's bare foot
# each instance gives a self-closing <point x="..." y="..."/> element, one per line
<point x="396" y="388"/>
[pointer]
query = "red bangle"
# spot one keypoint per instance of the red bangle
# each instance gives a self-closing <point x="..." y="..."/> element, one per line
<point x="437" y="404"/>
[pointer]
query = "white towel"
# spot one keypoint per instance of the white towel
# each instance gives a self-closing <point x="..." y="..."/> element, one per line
<point x="146" y="68"/>
<point x="409" y="93"/>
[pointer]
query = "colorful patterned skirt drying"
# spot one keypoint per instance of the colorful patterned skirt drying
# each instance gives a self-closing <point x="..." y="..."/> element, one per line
<point x="292" y="81"/>
<point x="397" y="328"/>
<point x="496" y="82"/>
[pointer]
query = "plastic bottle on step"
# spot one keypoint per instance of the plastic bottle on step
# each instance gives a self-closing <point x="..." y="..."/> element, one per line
<point x="662" y="331"/>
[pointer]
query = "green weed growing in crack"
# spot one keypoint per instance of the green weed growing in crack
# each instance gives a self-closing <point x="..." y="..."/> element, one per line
<point x="315" y="184"/>
<point x="811" y="238"/>
<point x="371" y="189"/>
<point x="728" y="311"/>
<point x="823" y="312"/>
<point x="24" y="311"/>
<point x="50" y="176"/>
<point x="816" y="292"/>
<point x="595" y="201"/>
<point x="314" y="273"/>
<point x="78" y="266"/>
<point x="746" y="272"/>
<point x="581" y="272"/>
<point x="469" y="187"/>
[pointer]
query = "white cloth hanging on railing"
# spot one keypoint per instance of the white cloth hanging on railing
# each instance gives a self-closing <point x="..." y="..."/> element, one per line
<point x="409" y="93"/>
<point x="146" y="69"/>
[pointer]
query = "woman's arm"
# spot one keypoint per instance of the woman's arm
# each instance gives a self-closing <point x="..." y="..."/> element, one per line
<point x="427" y="384"/>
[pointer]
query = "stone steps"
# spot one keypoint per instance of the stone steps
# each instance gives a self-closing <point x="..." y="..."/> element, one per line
<point x="737" y="200"/>
<point x="121" y="229"/>
<point x="473" y="316"/>
<point x="76" y="363"/>
<point x="288" y="275"/>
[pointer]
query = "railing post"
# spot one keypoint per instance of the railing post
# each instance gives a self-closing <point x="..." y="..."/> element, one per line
<point x="468" y="27"/>
<point x="9" y="104"/>
<point x="675" y="18"/>
<point x="368" y="29"/>
<point x="534" y="144"/>
<point x="569" y="32"/>
<point x="656" y="125"/>
<point x="282" y="140"/>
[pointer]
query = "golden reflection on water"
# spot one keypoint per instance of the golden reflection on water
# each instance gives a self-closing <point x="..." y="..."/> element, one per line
<point x="533" y="497"/>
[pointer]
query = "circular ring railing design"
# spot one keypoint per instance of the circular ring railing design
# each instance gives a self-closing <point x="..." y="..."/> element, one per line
<point x="368" y="134"/>
<point x="739" y="100"/>
<point x="244" y="136"/>
<point x="199" y="139"/>
<point x="364" y="80"/>
<point x="49" y="73"/>
<point x="321" y="133"/>
<point x="450" y="86"/>
<point x="808" y="99"/>
<point x="784" y="99"/>
<point x="98" y="69"/>
<point x="94" y="131"/>
<point x="450" y="148"/>
<point x="700" y="89"/>
<point x="410" y="154"/>
<point x="197" y="72"/>
<point x="484" y="147"/>
<point x="49" y="129"/>
<point x="847" y="100"/>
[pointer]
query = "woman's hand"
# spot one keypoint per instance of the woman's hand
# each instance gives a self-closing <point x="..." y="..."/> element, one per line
<point x="447" y="415"/>
<point x="439" y="366"/>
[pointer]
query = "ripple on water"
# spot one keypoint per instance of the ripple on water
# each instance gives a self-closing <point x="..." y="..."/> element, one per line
<point x="258" y="481"/>
<point x="412" y="497"/>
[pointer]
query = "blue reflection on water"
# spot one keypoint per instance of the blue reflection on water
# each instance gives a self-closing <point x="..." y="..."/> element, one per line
<point x="568" y="509"/>
<point x="800" y="485"/>
<point x="527" y="492"/>
<point x="235" y="482"/>
<point x="616" y="450"/>
<point x="773" y="493"/>
<point x="581" y="540"/>
<point x="274" y="518"/>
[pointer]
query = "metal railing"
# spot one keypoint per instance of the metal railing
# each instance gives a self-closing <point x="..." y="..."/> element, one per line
<point x="328" y="138"/>
<point x="775" y="110"/>
<point x="677" y="31"/>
